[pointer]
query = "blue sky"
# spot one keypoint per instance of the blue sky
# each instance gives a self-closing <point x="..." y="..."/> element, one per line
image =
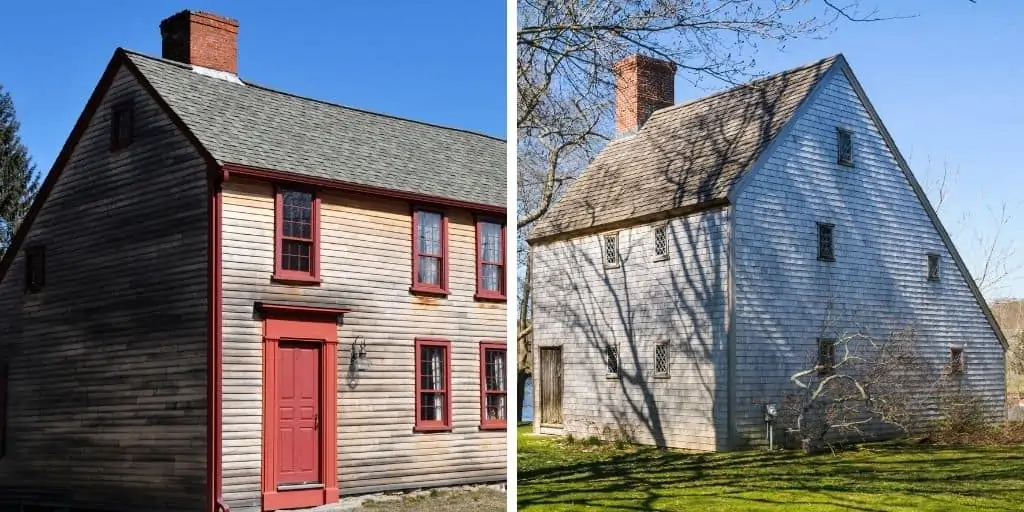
<point x="947" y="85"/>
<point x="441" y="62"/>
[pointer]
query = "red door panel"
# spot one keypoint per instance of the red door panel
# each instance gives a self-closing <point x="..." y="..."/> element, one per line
<point x="298" y="399"/>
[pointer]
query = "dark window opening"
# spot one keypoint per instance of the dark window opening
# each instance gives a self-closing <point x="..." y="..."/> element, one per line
<point x="612" y="360"/>
<point x="826" y="357"/>
<point x="845" y="146"/>
<point x="956" y="361"/>
<point x="933" y="267"/>
<point x="35" y="269"/>
<point x="121" y="127"/>
<point x="826" y="248"/>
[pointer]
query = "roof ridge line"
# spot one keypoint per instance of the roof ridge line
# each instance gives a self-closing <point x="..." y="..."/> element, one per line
<point x="323" y="102"/>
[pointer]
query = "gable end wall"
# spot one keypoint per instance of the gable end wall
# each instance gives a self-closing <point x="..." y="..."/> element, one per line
<point x="107" y="394"/>
<point x="878" y="281"/>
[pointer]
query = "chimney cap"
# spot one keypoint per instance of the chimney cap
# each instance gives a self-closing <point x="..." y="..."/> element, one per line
<point x="199" y="15"/>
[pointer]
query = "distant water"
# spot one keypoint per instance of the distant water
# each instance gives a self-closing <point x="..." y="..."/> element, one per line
<point x="528" y="400"/>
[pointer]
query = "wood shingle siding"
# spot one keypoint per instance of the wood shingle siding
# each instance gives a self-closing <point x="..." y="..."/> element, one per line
<point x="365" y="267"/>
<point x="584" y="307"/>
<point x="878" y="279"/>
<point x="107" y="394"/>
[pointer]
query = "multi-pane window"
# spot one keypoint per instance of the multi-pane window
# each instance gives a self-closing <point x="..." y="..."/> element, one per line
<point x="490" y="260"/>
<point x="844" y="146"/>
<point x="121" y="127"/>
<point x="35" y="269"/>
<point x="956" y="361"/>
<point x="612" y="360"/>
<point x="430" y="269"/>
<point x="297" y="251"/>
<point x="661" y="360"/>
<point x="933" y="267"/>
<point x="433" y="384"/>
<point x="826" y="248"/>
<point x="661" y="242"/>
<point x="610" y="249"/>
<point x="826" y="357"/>
<point x="493" y="386"/>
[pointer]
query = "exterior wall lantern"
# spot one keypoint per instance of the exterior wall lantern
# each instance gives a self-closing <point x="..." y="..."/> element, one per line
<point x="357" y="360"/>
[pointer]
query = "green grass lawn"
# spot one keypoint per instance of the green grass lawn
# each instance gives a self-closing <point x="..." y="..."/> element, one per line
<point x="558" y="476"/>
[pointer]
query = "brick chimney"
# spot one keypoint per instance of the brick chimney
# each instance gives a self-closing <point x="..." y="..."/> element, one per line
<point x="201" y="39"/>
<point x="642" y="85"/>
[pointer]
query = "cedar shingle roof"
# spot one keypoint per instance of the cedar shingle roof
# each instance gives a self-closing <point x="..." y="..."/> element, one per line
<point x="685" y="156"/>
<point x="260" y="127"/>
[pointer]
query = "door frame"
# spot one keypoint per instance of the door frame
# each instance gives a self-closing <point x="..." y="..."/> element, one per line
<point x="311" y="325"/>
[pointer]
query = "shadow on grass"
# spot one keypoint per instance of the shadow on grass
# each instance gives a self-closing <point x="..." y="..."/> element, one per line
<point x="556" y="475"/>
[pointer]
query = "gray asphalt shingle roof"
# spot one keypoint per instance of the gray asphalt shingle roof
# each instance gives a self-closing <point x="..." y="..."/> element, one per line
<point x="684" y="156"/>
<point x="260" y="127"/>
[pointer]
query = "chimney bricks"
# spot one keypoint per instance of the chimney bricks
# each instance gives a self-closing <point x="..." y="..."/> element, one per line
<point x="642" y="85"/>
<point x="201" y="39"/>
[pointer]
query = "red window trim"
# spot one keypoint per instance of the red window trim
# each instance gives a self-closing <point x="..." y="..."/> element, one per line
<point x="486" y="424"/>
<point x="434" y="426"/>
<point x="481" y="293"/>
<point x="293" y="276"/>
<point x="418" y="287"/>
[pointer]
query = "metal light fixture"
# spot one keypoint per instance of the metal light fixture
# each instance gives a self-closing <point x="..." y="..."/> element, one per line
<point x="358" y="360"/>
<point x="771" y="414"/>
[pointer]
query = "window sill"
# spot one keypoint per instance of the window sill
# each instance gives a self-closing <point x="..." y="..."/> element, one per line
<point x="661" y="375"/>
<point x="611" y="375"/>
<point x="493" y="426"/>
<point x="661" y="258"/>
<point x="286" y="278"/>
<point x="428" y="290"/>
<point x="489" y="296"/>
<point x="427" y="429"/>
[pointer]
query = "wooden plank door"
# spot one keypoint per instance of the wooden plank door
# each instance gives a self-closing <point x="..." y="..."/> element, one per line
<point x="298" y="410"/>
<point x="551" y="386"/>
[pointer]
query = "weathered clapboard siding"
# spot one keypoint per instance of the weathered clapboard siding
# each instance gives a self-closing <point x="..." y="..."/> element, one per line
<point x="366" y="267"/>
<point x="107" y="399"/>
<point x="878" y="281"/>
<point x="584" y="307"/>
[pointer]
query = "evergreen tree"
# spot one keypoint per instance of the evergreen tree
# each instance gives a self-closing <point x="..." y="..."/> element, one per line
<point x="18" y="180"/>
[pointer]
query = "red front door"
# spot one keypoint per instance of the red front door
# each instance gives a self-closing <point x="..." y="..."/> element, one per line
<point x="298" y="410"/>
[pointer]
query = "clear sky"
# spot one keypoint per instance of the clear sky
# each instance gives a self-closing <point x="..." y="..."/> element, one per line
<point x="439" y="61"/>
<point x="948" y="86"/>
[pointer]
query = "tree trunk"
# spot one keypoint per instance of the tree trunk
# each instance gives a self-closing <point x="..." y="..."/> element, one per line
<point x="521" y="387"/>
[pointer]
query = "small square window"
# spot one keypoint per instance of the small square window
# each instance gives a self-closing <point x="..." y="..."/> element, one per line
<point x="121" y="127"/>
<point x="826" y="357"/>
<point x="35" y="269"/>
<point x="933" y="267"/>
<point x="661" y="360"/>
<point x="610" y="248"/>
<point x="612" y="361"/>
<point x="844" y="143"/>
<point x="956" y="361"/>
<point x="661" y="242"/>
<point x="826" y="249"/>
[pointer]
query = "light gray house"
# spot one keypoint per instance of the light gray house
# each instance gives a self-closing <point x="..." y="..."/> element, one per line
<point x="689" y="273"/>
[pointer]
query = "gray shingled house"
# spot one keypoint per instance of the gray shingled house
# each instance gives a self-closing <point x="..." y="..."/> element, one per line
<point x="717" y="247"/>
<point x="227" y="296"/>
